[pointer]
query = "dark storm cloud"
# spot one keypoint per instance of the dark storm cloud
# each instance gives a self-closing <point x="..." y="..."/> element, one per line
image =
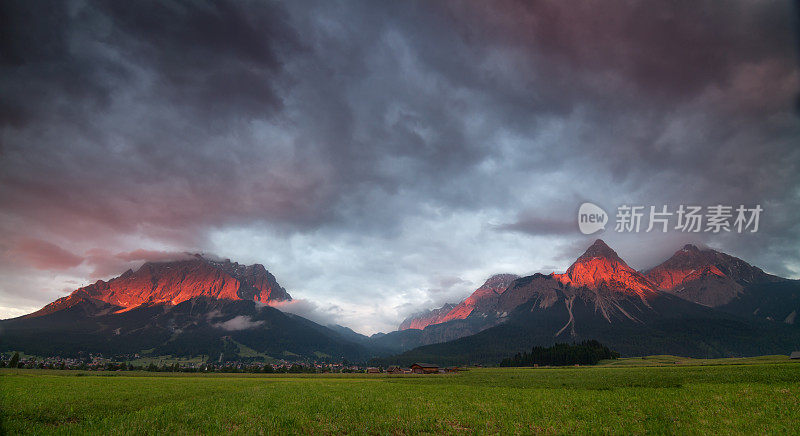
<point x="671" y="49"/>
<point x="672" y="103"/>
<point x="202" y="53"/>
<point x="162" y="122"/>
<point x="537" y="225"/>
<point x="217" y="56"/>
<point x="143" y="107"/>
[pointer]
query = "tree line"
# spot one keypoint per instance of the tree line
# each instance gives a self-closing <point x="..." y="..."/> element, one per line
<point x="584" y="353"/>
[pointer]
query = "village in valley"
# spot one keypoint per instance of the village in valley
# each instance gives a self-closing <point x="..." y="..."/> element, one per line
<point x="96" y="362"/>
<point x="417" y="368"/>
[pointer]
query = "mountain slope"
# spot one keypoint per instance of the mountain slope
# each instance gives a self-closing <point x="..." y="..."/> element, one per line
<point x="480" y="303"/>
<point x="402" y="340"/>
<point x="777" y="302"/>
<point x="601" y="267"/>
<point x="178" y="281"/>
<point x="598" y="279"/>
<point x="678" y="269"/>
<point x="182" y="308"/>
<point x="423" y="319"/>
<point x="718" y="280"/>
<point x="194" y="327"/>
<point x="692" y="334"/>
<point x="601" y="297"/>
<point x="484" y="300"/>
<point x="477" y="312"/>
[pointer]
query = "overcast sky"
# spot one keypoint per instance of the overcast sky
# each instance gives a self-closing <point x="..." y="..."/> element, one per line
<point x="385" y="157"/>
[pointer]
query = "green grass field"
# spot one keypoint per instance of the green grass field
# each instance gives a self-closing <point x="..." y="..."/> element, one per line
<point x="651" y="395"/>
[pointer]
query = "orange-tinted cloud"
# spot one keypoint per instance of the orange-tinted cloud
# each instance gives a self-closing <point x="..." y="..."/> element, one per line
<point x="44" y="255"/>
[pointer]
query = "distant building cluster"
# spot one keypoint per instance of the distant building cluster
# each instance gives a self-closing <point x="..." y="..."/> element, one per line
<point x="417" y="368"/>
<point x="96" y="362"/>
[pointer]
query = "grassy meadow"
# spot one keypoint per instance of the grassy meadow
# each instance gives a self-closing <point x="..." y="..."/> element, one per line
<point x="659" y="394"/>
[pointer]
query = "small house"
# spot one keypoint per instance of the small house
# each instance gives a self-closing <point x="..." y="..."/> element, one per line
<point x="373" y="370"/>
<point x="795" y="355"/>
<point x="394" y="370"/>
<point x="424" y="368"/>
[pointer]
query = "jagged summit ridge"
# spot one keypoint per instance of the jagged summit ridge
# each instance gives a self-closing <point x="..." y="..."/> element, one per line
<point x="706" y="276"/>
<point x="498" y="281"/>
<point x="599" y="249"/>
<point x="172" y="282"/>
<point x="599" y="276"/>
<point x="483" y="300"/>
<point x="685" y="261"/>
<point x="420" y="320"/>
<point x="599" y="267"/>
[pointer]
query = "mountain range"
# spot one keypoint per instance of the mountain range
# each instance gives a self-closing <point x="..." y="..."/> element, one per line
<point x="703" y="276"/>
<point x="699" y="302"/>
<point x="175" y="282"/>
<point x="199" y="306"/>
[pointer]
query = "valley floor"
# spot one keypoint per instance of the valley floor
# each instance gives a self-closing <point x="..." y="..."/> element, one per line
<point x="660" y="394"/>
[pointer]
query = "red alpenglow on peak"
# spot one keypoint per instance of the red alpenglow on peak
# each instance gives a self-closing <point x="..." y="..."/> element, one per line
<point x="178" y="281"/>
<point x="423" y="319"/>
<point x="706" y="276"/>
<point x="483" y="300"/>
<point x="690" y="262"/>
<point x="601" y="268"/>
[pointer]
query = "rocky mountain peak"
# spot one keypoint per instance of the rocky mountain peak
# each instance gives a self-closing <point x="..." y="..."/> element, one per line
<point x="172" y="282"/>
<point x="689" y="260"/>
<point x="690" y="248"/>
<point x="499" y="280"/>
<point x="599" y="249"/>
<point x="420" y="320"/>
<point x="483" y="300"/>
<point x="599" y="267"/>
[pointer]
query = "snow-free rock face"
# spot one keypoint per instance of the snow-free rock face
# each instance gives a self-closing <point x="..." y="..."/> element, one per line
<point x="599" y="278"/>
<point x="483" y="300"/>
<point x="685" y="261"/>
<point x="706" y="276"/>
<point x="599" y="285"/>
<point x="174" y="282"/>
<point x="598" y="296"/>
<point x="600" y="267"/>
<point x="421" y="320"/>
